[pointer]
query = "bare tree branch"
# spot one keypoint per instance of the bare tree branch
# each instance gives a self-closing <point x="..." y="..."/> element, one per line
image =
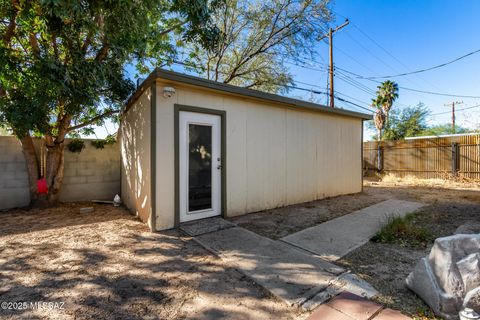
<point x="7" y="37"/>
<point x="92" y="120"/>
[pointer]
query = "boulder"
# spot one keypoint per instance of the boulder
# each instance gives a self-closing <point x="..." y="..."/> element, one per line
<point x="469" y="227"/>
<point x="449" y="275"/>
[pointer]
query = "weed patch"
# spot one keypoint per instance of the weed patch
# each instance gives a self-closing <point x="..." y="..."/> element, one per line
<point x="404" y="231"/>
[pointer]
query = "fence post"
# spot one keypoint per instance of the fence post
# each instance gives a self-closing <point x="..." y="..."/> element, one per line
<point x="455" y="157"/>
<point x="379" y="158"/>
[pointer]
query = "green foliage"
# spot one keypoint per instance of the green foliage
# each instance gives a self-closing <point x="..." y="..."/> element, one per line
<point x="76" y="145"/>
<point x="407" y="122"/>
<point x="258" y="39"/>
<point x="101" y="143"/>
<point x="443" y="129"/>
<point x="387" y="93"/>
<point x="404" y="231"/>
<point x="63" y="61"/>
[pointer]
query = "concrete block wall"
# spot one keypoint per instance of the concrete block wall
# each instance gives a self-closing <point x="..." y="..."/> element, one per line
<point x="13" y="174"/>
<point x="89" y="175"/>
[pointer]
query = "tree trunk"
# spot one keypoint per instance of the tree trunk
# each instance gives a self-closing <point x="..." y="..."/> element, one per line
<point x="55" y="166"/>
<point x="379" y="151"/>
<point x="54" y="171"/>
<point x="33" y="168"/>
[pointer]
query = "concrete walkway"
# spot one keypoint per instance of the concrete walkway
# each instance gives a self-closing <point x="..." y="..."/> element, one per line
<point x="335" y="238"/>
<point x="295" y="269"/>
<point x="293" y="275"/>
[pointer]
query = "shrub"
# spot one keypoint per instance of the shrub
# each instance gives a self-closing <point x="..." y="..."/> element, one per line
<point x="76" y="145"/>
<point x="101" y="143"/>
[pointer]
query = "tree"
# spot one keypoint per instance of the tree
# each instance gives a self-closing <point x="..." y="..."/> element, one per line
<point x="378" y="117"/>
<point x="63" y="65"/>
<point x="387" y="93"/>
<point x="408" y="122"/>
<point x="440" y="129"/>
<point x="260" y="37"/>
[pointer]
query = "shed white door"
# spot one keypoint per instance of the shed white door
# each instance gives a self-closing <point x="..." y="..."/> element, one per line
<point x="200" y="165"/>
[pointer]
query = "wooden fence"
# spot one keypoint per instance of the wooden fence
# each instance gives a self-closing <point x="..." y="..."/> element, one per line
<point x="437" y="157"/>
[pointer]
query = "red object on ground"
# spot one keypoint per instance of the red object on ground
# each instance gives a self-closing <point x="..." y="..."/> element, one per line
<point x="348" y="306"/>
<point x="42" y="186"/>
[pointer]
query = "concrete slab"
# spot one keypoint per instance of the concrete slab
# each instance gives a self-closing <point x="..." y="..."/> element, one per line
<point x="203" y="226"/>
<point x="285" y="271"/>
<point x="335" y="238"/>
<point x="346" y="282"/>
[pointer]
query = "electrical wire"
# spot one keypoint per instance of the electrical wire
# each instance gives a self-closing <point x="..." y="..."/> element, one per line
<point x="457" y="110"/>
<point x="425" y="69"/>
<point x="411" y="89"/>
<point x="305" y="89"/>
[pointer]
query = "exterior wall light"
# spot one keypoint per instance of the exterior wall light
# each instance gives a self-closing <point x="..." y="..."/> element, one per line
<point x="168" y="92"/>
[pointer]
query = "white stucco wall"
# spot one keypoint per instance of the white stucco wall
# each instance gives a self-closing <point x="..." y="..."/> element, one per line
<point x="135" y="148"/>
<point x="275" y="156"/>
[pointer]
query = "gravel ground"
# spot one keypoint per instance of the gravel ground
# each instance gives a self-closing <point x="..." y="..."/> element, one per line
<point x="107" y="265"/>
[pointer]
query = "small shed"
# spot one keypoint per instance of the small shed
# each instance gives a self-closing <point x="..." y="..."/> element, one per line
<point x="193" y="148"/>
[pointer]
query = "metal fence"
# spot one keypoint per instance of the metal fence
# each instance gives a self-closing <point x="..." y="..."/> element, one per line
<point x="435" y="157"/>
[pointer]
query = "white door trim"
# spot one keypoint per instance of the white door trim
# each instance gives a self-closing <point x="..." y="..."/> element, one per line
<point x="187" y="118"/>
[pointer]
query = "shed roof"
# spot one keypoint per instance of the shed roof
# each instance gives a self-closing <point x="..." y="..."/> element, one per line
<point x="239" y="91"/>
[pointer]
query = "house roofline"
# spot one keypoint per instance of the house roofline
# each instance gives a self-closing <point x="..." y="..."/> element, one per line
<point x="234" y="90"/>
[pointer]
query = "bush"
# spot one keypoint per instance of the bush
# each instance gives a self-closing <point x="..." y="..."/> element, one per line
<point x="403" y="231"/>
<point x="101" y="143"/>
<point x="76" y="145"/>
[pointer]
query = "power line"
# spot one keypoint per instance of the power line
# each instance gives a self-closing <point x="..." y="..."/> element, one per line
<point x="392" y="56"/>
<point x="426" y="69"/>
<point x="302" y="89"/>
<point x="475" y="106"/>
<point x="385" y="50"/>
<point x="441" y="94"/>
<point x="411" y="89"/>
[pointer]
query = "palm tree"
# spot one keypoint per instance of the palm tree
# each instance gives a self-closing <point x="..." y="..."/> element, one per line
<point x="388" y="93"/>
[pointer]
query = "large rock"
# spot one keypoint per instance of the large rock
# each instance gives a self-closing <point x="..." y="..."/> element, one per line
<point x="469" y="227"/>
<point x="449" y="277"/>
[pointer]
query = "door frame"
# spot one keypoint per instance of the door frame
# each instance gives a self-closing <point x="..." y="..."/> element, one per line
<point x="223" y="155"/>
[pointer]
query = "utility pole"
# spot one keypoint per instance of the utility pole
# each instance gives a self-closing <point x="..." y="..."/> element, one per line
<point x="453" y="112"/>
<point x="330" y="41"/>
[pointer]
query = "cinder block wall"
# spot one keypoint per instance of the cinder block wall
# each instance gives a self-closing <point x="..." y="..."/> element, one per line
<point x="91" y="174"/>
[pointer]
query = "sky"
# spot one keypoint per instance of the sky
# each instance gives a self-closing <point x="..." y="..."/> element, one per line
<point x="392" y="37"/>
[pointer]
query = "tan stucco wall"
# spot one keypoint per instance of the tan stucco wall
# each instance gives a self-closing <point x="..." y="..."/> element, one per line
<point x="275" y="156"/>
<point x="93" y="174"/>
<point x="135" y="148"/>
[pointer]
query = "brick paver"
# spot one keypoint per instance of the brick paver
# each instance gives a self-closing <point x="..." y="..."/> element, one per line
<point x="348" y="306"/>
<point x="356" y="307"/>
<point x="324" y="312"/>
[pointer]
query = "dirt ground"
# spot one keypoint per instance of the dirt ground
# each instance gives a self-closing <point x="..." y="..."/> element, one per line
<point x="386" y="266"/>
<point x="107" y="265"/>
<point x="280" y="222"/>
